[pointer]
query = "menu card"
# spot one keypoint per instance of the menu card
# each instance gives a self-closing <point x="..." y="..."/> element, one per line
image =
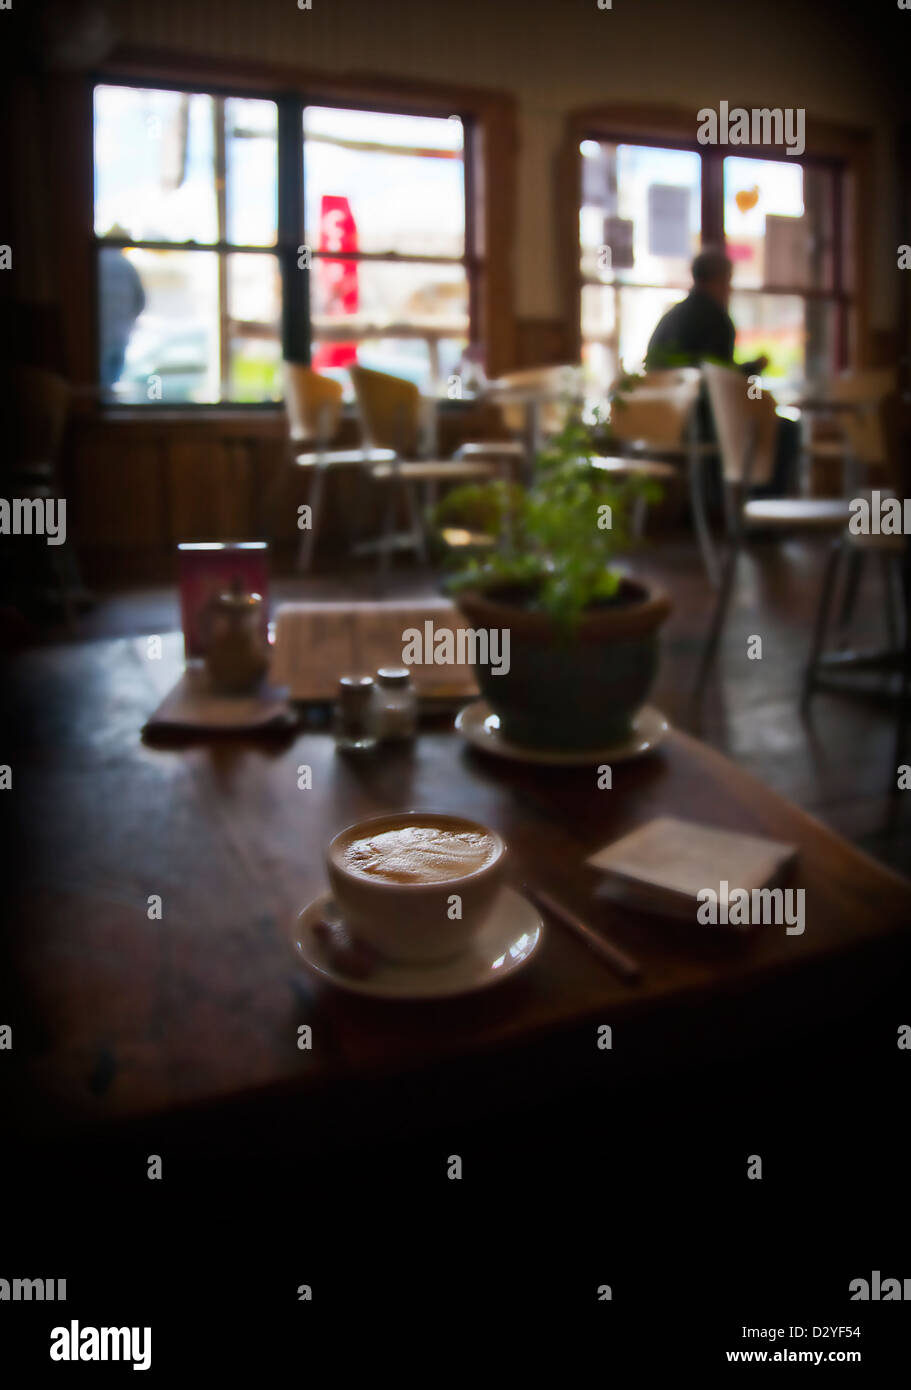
<point x="316" y="643"/>
<point x="663" y="865"/>
<point x="207" y="569"/>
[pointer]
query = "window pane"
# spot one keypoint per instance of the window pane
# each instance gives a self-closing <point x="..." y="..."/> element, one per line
<point x="778" y="223"/>
<point x="255" y="366"/>
<point x="379" y="293"/>
<point x="640" y="311"/>
<point x="599" y="338"/>
<point x="254" y="309"/>
<point x="426" y="305"/>
<point x="598" y="314"/>
<point x="167" y="348"/>
<point x="251" y="158"/>
<point x="399" y="180"/>
<point x="428" y="362"/>
<point x="617" y="323"/>
<point x="770" y="325"/>
<point x="644" y="204"/>
<point x="154" y="165"/>
<point x="798" y="336"/>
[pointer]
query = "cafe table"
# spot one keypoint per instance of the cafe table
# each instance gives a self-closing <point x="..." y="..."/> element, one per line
<point x="813" y="404"/>
<point x="151" y="971"/>
<point x="531" y="393"/>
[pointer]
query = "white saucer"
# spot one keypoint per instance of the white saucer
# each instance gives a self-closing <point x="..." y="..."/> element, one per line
<point x="507" y="942"/>
<point x="478" y="724"/>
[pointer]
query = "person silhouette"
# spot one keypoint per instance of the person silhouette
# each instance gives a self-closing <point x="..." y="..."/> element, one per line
<point x="121" y="300"/>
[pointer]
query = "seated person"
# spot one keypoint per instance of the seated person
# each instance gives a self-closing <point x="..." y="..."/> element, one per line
<point x="700" y="329"/>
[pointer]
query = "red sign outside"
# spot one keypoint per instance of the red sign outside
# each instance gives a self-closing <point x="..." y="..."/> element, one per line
<point x="337" y="276"/>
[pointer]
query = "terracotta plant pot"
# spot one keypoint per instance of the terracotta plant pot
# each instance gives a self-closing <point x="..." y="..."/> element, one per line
<point x="577" y="691"/>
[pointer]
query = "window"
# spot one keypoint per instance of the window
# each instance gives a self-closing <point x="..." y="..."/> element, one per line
<point x="186" y="220"/>
<point x="385" y="217"/>
<point x="640" y="228"/>
<point x="779" y="232"/>
<point x="646" y="210"/>
<point x="234" y="230"/>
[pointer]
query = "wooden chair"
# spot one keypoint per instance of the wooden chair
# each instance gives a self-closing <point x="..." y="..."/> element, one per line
<point x="396" y="417"/>
<point x="873" y="445"/>
<point x="314" y="406"/>
<point x="859" y="442"/>
<point x="746" y="431"/>
<point x="660" y="416"/>
<point x="313" y="403"/>
<point x="41" y="401"/>
<point x="860" y="451"/>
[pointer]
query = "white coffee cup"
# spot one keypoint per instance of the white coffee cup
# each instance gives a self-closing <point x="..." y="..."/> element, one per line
<point x="426" y="913"/>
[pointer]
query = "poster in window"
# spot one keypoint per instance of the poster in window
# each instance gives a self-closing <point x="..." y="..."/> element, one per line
<point x="668" y="220"/>
<point x="596" y="189"/>
<point x="787" y="252"/>
<point x="618" y="236"/>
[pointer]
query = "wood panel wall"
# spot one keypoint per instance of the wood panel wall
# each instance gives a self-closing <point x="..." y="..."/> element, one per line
<point x="137" y="485"/>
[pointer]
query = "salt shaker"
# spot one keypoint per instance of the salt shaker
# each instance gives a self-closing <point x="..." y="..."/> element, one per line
<point x="396" y="703"/>
<point x="354" y="720"/>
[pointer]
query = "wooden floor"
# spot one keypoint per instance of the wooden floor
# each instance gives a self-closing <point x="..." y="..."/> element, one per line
<point x="839" y="763"/>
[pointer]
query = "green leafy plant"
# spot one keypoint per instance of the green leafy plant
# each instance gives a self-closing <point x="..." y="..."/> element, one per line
<point x="554" y="544"/>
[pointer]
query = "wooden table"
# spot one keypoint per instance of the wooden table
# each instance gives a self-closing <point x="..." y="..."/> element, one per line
<point x="811" y="405"/>
<point x="531" y="399"/>
<point x="116" y="1015"/>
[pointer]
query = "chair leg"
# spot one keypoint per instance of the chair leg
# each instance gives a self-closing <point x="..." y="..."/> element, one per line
<point x="823" y="609"/>
<point x="700" y="520"/>
<point x="417" y="527"/>
<point x="885" y="562"/>
<point x="67" y="593"/>
<point x="903" y="606"/>
<point x="849" y="597"/>
<point x="384" y="549"/>
<point x="308" y="538"/>
<point x="722" y="604"/>
<point x="901" y="730"/>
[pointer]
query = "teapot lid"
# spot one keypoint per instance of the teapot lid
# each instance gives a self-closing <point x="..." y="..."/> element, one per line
<point x="237" y="599"/>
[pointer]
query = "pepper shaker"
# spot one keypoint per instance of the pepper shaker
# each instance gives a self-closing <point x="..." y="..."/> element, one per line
<point x="354" y="717"/>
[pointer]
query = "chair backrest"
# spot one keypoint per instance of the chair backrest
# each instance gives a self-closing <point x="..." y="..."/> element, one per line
<point x="41" y="407"/>
<point x="391" y="410"/>
<point x="313" y="403"/>
<point x="868" y="388"/>
<point x="658" y="408"/>
<point x="746" y="428"/>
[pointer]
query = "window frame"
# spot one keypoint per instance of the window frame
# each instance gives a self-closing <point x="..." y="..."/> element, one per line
<point x="295" y="324"/>
<point x="846" y="302"/>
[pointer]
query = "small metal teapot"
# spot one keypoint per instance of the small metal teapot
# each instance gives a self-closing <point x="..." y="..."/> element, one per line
<point x="237" y="654"/>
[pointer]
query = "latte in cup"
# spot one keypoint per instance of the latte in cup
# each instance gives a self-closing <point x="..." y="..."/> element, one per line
<point x="416" y="853"/>
<point x="416" y="885"/>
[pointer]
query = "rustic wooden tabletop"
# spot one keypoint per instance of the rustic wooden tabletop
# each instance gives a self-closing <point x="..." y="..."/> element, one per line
<point x="119" y="1014"/>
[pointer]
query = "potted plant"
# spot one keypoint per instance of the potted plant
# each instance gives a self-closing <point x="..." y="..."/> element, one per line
<point x="583" y="635"/>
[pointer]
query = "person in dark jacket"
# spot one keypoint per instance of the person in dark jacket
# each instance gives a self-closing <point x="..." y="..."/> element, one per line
<point x="122" y="300"/>
<point x="700" y="329"/>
